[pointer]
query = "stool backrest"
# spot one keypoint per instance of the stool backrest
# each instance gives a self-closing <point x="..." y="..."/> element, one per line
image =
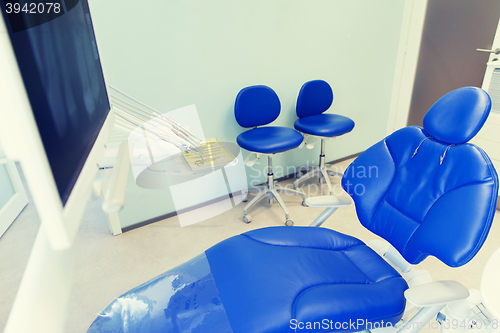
<point x="315" y="97"/>
<point x="256" y="106"/>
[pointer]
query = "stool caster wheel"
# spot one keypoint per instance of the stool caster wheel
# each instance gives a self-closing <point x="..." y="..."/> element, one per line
<point x="304" y="203"/>
<point x="247" y="218"/>
<point x="244" y="198"/>
<point x="288" y="223"/>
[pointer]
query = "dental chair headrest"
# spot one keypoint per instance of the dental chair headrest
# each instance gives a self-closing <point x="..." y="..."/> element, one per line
<point x="458" y="116"/>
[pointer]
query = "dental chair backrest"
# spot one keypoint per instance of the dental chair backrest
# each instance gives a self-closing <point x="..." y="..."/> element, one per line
<point x="426" y="190"/>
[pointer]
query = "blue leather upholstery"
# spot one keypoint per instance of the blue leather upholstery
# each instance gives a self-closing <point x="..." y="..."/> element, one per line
<point x="268" y="277"/>
<point x="256" y="106"/>
<point x="425" y="196"/>
<point x="265" y="280"/>
<point x="315" y="97"/>
<point x="466" y="111"/>
<point x="428" y="197"/>
<point x="328" y="125"/>
<point x="270" y="139"/>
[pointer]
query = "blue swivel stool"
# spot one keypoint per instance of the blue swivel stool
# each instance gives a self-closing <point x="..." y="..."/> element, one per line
<point x="257" y="106"/>
<point x="433" y="194"/>
<point x="315" y="98"/>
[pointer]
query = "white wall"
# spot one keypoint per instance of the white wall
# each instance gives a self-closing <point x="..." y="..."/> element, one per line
<point x="6" y="188"/>
<point x="174" y="53"/>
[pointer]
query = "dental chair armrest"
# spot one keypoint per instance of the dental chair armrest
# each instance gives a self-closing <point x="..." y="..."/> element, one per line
<point x="387" y="251"/>
<point x="436" y="293"/>
<point x="328" y="201"/>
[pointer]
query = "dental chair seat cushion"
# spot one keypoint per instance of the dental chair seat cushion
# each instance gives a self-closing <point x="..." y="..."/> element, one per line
<point x="268" y="277"/>
<point x="325" y="124"/>
<point x="269" y="139"/>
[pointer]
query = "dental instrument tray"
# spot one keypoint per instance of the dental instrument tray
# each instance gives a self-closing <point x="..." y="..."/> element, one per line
<point x="215" y="155"/>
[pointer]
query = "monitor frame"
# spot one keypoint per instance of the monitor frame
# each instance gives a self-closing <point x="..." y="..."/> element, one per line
<point x="21" y="142"/>
<point x="45" y="288"/>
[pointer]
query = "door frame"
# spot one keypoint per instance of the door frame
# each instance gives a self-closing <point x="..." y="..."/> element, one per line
<point x="406" y="63"/>
<point x="13" y="207"/>
<point x="489" y="71"/>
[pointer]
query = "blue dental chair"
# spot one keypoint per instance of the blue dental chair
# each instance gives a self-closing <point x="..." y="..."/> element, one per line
<point x="425" y="190"/>
<point x="257" y="106"/>
<point x="316" y="97"/>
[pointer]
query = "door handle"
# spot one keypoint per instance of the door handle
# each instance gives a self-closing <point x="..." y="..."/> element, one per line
<point x="496" y="51"/>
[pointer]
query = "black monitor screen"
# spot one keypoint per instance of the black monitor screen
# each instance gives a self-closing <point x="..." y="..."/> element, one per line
<point x="57" y="55"/>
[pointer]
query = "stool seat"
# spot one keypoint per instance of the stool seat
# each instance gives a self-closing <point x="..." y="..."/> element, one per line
<point x="269" y="139"/>
<point x="325" y="124"/>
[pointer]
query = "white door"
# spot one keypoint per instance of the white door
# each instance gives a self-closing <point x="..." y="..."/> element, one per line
<point x="489" y="136"/>
<point x="13" y="197"/>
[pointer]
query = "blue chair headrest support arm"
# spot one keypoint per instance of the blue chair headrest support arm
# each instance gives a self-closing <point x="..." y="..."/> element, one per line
<point x="426" y="191"/>
<point x="256" y="106"/>
<point x="458" y="116"/>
